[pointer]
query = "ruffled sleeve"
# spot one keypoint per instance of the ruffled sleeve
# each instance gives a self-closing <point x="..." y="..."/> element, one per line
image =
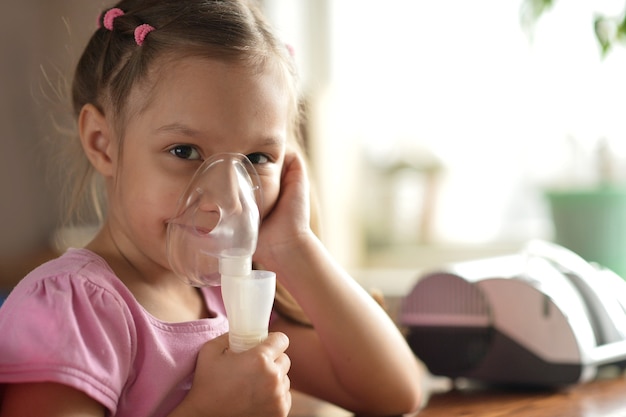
<point x="69" y="330"/>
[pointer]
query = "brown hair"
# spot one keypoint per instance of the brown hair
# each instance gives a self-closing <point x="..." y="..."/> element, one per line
<point x="112" y="64"/>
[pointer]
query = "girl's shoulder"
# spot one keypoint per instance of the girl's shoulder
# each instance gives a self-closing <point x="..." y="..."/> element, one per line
<point x="74" y="269"/>
<point x="79" y="282"/>
<point x="73" y="261"/>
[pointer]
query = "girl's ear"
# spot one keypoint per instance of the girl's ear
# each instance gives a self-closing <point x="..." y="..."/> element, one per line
<point x="96" y="139"/>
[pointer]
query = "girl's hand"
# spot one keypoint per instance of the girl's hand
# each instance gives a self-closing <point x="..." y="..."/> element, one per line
<point x="251" y="383"/>
<point x="289" y="219"/>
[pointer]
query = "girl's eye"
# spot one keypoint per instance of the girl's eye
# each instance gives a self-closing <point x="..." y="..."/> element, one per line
<point x="185" y="152"/>
<point x="258" y="158"/>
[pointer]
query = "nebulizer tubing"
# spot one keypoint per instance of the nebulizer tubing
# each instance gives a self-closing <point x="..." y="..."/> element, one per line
<point x="211" y="240"/>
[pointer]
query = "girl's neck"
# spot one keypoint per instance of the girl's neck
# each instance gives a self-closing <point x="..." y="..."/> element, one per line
<point x="157" y="290"/>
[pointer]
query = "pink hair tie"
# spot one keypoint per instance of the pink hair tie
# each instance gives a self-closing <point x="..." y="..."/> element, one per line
<point x="110" y="16"/>
<point x="141" y="32"/>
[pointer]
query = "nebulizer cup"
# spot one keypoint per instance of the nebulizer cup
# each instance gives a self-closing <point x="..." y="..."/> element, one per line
<point x="211" y="239"/>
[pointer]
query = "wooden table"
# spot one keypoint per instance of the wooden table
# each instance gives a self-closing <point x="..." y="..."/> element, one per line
<point x="605" y="397"/>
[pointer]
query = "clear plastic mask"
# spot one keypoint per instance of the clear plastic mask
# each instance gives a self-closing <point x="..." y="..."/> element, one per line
<point x="218" y="216"/>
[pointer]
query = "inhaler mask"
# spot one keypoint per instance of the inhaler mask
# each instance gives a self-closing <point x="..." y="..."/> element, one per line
<point x="217" y="219"/>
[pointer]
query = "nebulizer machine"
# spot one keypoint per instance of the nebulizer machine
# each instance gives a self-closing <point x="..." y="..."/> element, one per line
<point x="211" y="240"/>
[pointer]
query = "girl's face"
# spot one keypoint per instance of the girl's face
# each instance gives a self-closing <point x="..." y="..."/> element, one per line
<point x="197" y="108"/>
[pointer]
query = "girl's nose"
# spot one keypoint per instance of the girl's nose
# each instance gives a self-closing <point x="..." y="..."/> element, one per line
<point x="221" y="190"/>
<point x="206" y="213"/>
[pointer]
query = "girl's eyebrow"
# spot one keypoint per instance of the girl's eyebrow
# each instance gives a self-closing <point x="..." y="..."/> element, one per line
<point x="179" y="129"/>
<point x="184" y="130"/>
<point x="273" y="141"/>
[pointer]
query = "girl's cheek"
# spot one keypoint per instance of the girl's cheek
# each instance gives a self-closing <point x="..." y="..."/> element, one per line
<point x="270" y="196"/>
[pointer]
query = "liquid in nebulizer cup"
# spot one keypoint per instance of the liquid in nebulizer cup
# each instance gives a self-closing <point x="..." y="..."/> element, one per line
<point x="248" y="300"/>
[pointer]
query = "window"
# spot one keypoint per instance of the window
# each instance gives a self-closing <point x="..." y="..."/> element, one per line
<point x="408" y="84"/>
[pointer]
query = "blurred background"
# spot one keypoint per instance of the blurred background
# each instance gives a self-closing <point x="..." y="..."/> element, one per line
<point x="438" y="130"/>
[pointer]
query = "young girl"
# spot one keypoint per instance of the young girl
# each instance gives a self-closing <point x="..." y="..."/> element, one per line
<point x="109" y="329"/>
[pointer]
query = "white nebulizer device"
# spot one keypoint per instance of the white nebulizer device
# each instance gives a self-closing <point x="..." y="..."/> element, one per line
<point x="211" y="240"/>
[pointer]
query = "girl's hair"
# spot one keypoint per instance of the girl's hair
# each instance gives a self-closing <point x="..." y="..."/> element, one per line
<point x="114" y="62"/>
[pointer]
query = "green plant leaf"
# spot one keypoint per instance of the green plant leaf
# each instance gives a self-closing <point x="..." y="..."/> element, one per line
<point x="532" y="10"/>
<point x="605" y="31"/>
<point x="621" y="29"/>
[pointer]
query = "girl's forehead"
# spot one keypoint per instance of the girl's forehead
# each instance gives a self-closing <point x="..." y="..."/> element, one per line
<point x="213" y="98"/>
<point x="193" y="75"/>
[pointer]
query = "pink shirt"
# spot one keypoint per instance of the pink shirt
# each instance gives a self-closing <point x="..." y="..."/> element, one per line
<point x="72" y="321"/>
